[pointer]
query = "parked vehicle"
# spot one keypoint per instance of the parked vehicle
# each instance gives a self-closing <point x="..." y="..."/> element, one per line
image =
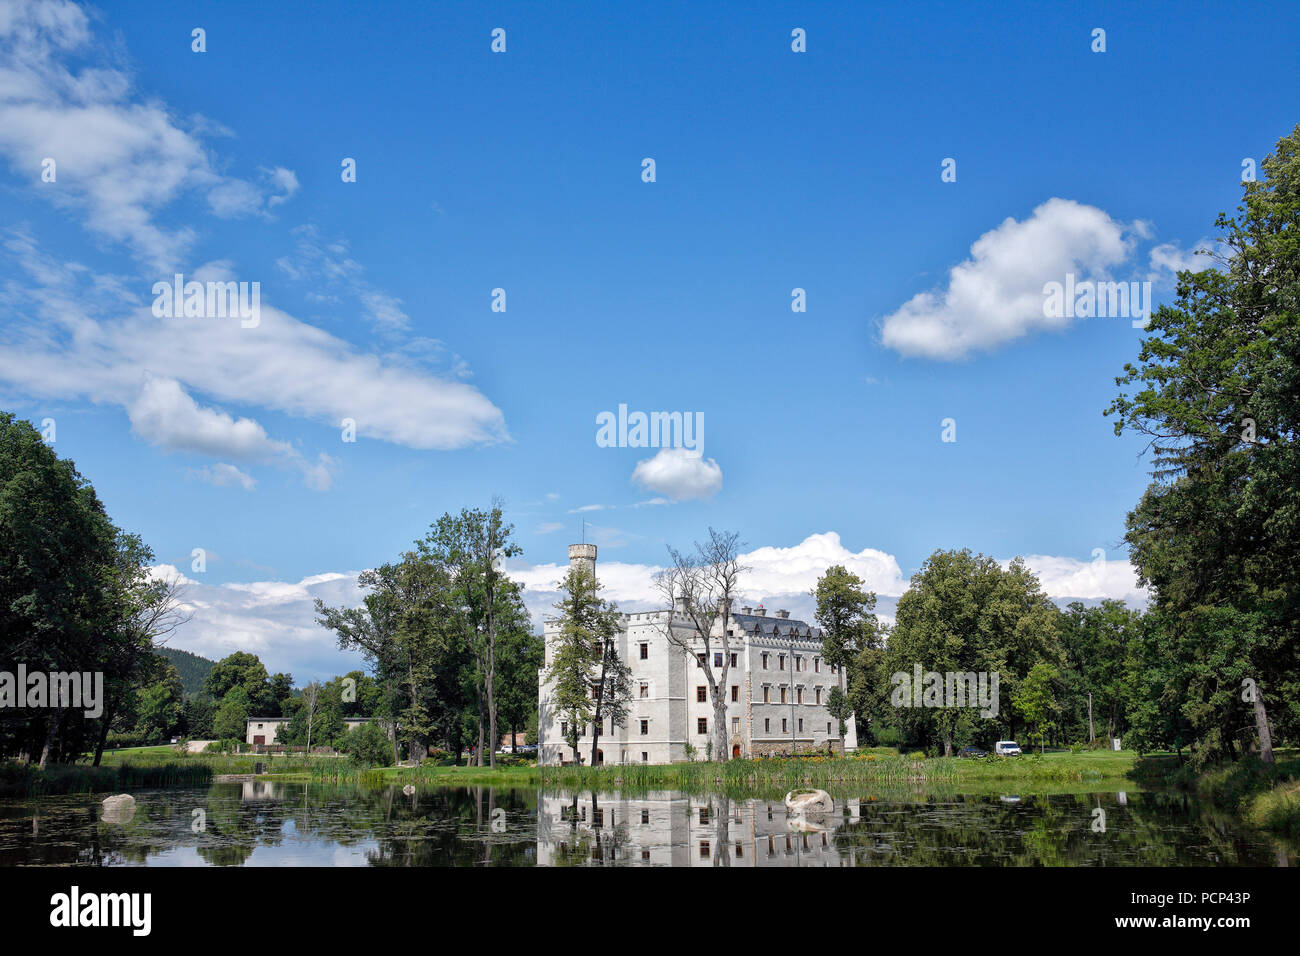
<point x="972" y="752"/>
<point x="1007" y="748"/>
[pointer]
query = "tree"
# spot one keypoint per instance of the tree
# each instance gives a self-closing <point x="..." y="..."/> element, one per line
<point x="246" y="671"/>
<point x="1036" y="700"/>
<point x="964" y="613"/>
<point x="699" y="590"/>
<point x="367" y="744"/>
<point x="523" y="654"/>
<point x="383" y="629"/>
<point x="231" y="721"/>
<point x="468" y="551"/>
<point x="844" y="614"/>
<point x="580" y="662"/>
<point x="839" y="706"/>
<point x="77" y="594"/>
<point x="159" y="708"/>
<point x="1217" y="533"/>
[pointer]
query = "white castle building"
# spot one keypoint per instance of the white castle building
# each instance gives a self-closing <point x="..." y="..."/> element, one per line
<point x="778" y="688"/>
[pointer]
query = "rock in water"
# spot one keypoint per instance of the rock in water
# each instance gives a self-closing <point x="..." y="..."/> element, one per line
<point x="408" y="789"/>
<point x="119" y="809"/>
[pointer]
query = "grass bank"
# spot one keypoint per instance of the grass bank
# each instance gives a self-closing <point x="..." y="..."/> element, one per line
<point x="29" y="780"/>
<point x="1266" y="795"/>
<point x="872" y="769"/>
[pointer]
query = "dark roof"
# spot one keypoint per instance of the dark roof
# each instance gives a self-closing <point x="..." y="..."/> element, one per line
<point x="777" y="627"/>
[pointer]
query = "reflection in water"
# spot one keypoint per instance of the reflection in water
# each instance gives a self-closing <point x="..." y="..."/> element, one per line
<point x="259" y="823"/>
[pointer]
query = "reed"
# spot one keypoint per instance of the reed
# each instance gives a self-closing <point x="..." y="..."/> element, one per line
<point x="28" y="780"/>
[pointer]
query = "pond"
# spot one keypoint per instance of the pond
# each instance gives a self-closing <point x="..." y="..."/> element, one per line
<point x="282" y="824"/>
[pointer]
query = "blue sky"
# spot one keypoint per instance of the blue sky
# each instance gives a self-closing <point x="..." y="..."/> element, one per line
<point x="522" y="170"/>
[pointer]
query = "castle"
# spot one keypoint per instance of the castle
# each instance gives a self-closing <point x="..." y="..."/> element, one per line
<point x="778" y="688"/>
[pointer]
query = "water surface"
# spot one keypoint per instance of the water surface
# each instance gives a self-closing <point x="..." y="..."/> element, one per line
<point x="274" y="824"/>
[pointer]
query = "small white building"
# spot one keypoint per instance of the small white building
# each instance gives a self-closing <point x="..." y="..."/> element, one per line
<point x="777" y="689"/>
<point x="262" y="730"/>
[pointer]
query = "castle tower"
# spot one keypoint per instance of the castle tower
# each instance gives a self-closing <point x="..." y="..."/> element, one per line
<point x="583" y="556"/>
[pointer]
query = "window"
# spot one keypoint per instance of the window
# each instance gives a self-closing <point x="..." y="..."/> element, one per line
<point x="780" y="662"/>
<point x="798" y="663"/>
<point x="704" y="849"/>
<point x="785" y="725"/>
<point x="645" y="728"/>
<point x="645" y="652"/>
<point x="699" y="659"/>
<point x="259" y="726"/>
<point x="817" y="665"/>
<point x="740" y="850"/>
<point x="645" y="689"/>
<point x="704" y="815"/>
<point x="765" y="660"/>
<point x="735" y="692"/>
<point x="767" y="725"/>
<point x="733" y="660"/>
<point x="767" y="694"/>
<point x="645" y="816"/>
<point x="645" y="854"/>
<point x="783" y="694"/>
<point x="645" y="758"/>
<point x="735" y="725"/>
<point x="800" y="725"/>
<point x="702" y="726"/>
<point x="799" y="695"/>
<point x="828" y="727"/>
<point x="701" y="695"/>
<point x="717" y="658"/>
<point x="564" y="728"/>
<point x="819" y="695"/>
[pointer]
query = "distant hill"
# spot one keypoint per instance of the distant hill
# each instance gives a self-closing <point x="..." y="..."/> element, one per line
<point x="193" y="669"/>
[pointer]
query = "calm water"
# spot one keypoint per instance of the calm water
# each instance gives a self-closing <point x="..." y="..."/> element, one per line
<point x="271" y="824"/>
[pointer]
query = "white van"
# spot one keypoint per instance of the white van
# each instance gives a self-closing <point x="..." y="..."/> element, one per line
<point x="1007" y="748"/>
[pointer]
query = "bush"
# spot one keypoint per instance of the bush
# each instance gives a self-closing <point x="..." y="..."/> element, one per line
<point x="223" y="746"/>
<point x="368" y="745"/>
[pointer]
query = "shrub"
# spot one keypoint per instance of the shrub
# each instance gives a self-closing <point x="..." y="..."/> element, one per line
<point x="368" y="745"/>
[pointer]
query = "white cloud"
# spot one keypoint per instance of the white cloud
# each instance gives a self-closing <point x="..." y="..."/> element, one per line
<point x="67" y="338"/>
<point x="163" y="414"/>
<point x="996" y="295"/>
<point x="276" y="619"/>
<point x="679" y="474"/>
<point x="549" y="527"/>
<point x="776" y="574"/>
<point x="273" y="619"/>
<point x="1064" y="579"/>
<point x="225" y="475"/>
<point x="286" y="180"/>
<point x="117" y="161"/>
<point x="1168" y="259"/>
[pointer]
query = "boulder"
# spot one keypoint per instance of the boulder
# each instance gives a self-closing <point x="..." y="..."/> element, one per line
<point x="119" y="809"/>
